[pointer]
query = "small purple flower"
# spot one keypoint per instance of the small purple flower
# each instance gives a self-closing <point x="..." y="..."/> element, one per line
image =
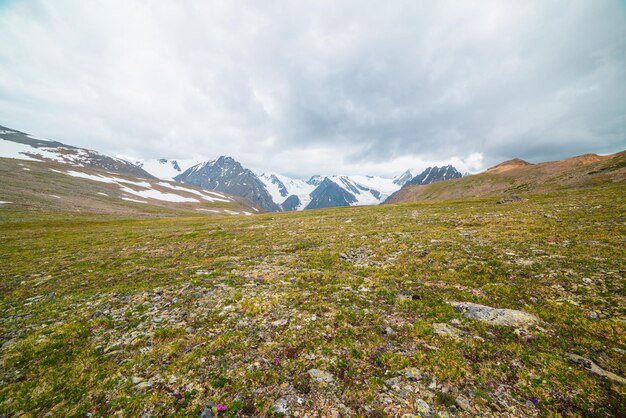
<point x="277" y="361"/>
<point x="221" y="407"/>
<point x="535" y="400"/>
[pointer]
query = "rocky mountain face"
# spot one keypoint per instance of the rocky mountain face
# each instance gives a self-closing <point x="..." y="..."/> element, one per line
<point x="435" y="174"/>
<point x="293" y="202"/>
<point x="329" y="194"/>
<point x="315" y="180"/>
<point x="288" y="193"/>
<point x="228" y="176"/>
<point x="22" y="146"/>
<point x="403" y="178"/>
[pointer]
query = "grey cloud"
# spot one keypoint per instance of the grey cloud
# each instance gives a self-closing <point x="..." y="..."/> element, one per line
<point x="307" y="87"/>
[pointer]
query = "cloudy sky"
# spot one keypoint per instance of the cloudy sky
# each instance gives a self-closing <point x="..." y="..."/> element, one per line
<point x="299" y="87"/>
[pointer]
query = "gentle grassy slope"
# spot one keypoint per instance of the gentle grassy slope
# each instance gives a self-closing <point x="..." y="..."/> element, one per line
<point x="159" y="316"/>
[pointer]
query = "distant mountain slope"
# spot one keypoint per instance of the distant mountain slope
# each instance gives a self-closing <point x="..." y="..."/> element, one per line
<point x="229" y="176"/>
<point x="58" y="187"/>
<point x="289" y="193"/>
<point x="329" y="194"/>
<point x="519" y="177"/>
<point x="19" y="145"/>
<point x="351" y="191"/>
<point x="403" y="178"/>
<point x="435" y="174"/>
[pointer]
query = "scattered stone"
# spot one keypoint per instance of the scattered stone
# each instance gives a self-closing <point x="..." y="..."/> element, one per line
<point x="412" y="373"/>
<point x="208" y="411"/>
<point x="394" y="381"/>
<point x="358" y="256"/>
<point x="144" y="385"/>
<point x="509" y="200"/>
<point x="280" y="322"/>
<point x="463" y="403"/>
<point x="447" y="330"/>
<point x="281" y="406"/>
<point x="495" y="316"/>
<point x="595" y="369"/>
<point x="423" y="409"/>
<point x="321" y="376"/>
<point x="390" y="332"/>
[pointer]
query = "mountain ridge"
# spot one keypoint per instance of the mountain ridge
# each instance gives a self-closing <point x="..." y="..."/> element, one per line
<point x="519" y="177"/>
<point x="227" y="175"/>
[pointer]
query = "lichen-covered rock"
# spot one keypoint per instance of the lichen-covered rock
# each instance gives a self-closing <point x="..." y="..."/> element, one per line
<point x="448" y="331"/>
<point x="411" y="373"/>
<point x="495" y="316"/>
<point x="595" y="369"/>
<point x="321" y="376"/>
<point x="423" y="409"/>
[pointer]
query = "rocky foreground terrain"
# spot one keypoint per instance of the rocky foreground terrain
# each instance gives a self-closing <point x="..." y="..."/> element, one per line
<point x="449" y="309"/>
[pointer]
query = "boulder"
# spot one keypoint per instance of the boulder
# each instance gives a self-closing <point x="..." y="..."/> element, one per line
<point x="495" y="316"/>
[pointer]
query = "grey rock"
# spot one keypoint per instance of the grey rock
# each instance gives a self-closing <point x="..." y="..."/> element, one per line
<point x="390" y="332"/>
<point x="463" y="403"/>
<point x="394" y="381"/>
<point x="423" y="409"/>
<point x="447" y="330"/>
<point x="412" y="373"/>
<point x="495" y="316"/>
<point x="281" y="406"/>
<point x="595" y="369"/>
<point x="321" y="376"/>
<point x="509" y="200"/>
<point x="207" y="412"/>
<point x="280" y="322"/>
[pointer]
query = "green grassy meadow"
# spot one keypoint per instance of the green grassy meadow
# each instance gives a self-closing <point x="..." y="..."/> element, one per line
<point x="154" y="317"/>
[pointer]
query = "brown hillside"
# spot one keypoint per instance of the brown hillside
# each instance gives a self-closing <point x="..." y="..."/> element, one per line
<point x="519" y="177"/>
<point x="508" y="165"/>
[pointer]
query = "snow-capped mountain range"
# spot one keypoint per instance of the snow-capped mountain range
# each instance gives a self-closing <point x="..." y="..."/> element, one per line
<point x="270" y="191"/>
<point x="276" y="192"/>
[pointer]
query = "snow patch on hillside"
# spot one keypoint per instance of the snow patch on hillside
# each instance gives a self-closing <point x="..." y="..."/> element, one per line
<point x="163" y="168"/>
<point x="204" y="196"/>
<point x="148" y="191"/>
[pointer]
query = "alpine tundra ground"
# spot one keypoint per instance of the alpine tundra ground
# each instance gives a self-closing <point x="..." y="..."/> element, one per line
<point x="340" y="312"/>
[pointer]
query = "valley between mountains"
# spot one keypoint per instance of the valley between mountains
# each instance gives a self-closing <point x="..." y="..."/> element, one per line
<point x="127" y="293"/>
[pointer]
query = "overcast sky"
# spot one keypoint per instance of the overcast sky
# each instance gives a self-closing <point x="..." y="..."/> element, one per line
<point x="299" y="87"/>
